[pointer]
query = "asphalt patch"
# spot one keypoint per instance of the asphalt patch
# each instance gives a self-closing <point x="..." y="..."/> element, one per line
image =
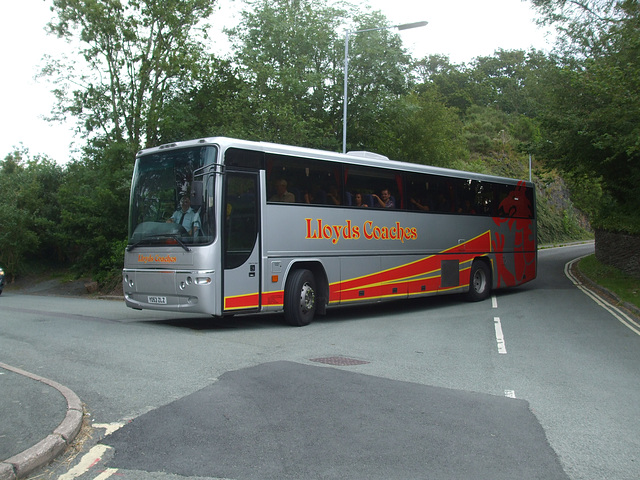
<point x="285" y="420"/>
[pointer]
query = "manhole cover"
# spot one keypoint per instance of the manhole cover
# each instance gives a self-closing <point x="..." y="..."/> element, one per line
<point x="339" y="361"/>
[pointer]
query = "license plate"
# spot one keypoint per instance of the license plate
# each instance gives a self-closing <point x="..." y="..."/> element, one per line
<point x="157" y="300"/>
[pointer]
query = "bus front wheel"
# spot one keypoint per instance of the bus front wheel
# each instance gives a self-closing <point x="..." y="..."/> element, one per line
<point x="480" y="282"/>
<point x="300" y="298"/>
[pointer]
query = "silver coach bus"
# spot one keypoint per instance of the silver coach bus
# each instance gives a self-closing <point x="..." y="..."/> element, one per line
<point x="223" y="226"/>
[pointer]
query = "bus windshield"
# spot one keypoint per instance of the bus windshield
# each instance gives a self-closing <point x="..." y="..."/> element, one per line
<point x="172" y="198"/>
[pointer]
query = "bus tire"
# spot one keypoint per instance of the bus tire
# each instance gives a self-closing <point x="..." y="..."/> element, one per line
<point x="300" y="298"/>
<point x="479" y="281"/>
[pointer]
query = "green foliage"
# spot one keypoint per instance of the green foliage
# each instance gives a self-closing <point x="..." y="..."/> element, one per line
<point x="213" y="103"/>
<point x="291" y="59"/>
<point x="613" y="217"/>
<point x="452" y="81"/>
<point x="591" y="114"/>
<point x="94" y="205"/>
<point x="421" y="129"/>
<point x="590" y="132"/>
<point x="287" y="53"/>
<point x="109" y="273"/>
<point x="29" y="211"/>
<point x="485" y="130"/>
<point x="508" y="81"/>
<point x="586" y="193"/>
<point x="378" y="75"/>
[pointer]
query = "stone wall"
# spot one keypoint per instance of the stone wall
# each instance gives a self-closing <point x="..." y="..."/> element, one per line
<point x="619" y="250"/>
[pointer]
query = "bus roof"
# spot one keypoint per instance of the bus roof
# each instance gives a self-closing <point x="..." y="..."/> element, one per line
<point x="361" y="158"/>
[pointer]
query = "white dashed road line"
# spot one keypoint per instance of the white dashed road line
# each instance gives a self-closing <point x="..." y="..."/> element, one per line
<point x="502" y="348"/>
<point x="500" y="341"/>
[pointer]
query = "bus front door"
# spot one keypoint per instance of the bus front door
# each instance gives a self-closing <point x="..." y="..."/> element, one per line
<point x="241" y="237"/>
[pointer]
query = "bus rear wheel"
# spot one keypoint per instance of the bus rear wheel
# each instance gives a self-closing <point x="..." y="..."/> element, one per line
<point x="480" y="282"/>
<point x="300" y="298"/>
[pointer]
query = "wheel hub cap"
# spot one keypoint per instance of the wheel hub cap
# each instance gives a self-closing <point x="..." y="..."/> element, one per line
<point x="307" y="298"/>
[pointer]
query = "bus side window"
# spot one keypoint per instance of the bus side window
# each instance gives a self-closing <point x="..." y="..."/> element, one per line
<point x="417" y="193"/>
<point x="315" y="182"/>
<point x="371" y="181"/>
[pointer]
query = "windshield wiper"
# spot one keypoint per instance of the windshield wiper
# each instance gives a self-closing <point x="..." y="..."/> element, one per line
<point x="164" y="235"/>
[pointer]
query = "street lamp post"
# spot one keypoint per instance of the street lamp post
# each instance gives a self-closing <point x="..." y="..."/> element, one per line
<point x="404" y="26"/>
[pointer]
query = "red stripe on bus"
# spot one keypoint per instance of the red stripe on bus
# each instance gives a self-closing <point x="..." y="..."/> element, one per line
<point x="251" y="300"/>
<point x="403" y="277"/>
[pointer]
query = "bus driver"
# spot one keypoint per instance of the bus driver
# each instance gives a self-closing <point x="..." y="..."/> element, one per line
<point x="186" y="217"/>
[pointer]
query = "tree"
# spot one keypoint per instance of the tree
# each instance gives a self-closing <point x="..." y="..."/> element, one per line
<point x="380" y="74"/>
<point x="133" y="52"/>
<point x="29" y="211"/>
<point x="94" y="207"/>
<point x="292" y="60"/>
<point x="452" y="81"/>
<point x="286" y="50"/>
<point x="423" y="130"/>
<point x="133" y="56"/>
<point x="592" y="116"/>
<point x="507" y="79"/>
<point x="214" y="103"/>
<point x="580" y="24"/>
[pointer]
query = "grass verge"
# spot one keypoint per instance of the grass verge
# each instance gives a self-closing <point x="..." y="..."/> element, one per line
<point x="626" y="287"/>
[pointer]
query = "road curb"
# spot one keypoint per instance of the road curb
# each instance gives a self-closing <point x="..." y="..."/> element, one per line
<point x="45" y="451"/>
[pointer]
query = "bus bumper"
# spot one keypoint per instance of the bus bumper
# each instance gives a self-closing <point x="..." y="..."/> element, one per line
<point x="170" y="290"/>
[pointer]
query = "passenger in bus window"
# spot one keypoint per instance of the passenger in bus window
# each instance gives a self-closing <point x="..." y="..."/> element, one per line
<point x="308" y="196"/>
<point x="186" y="217"/>
<point x="282" y="195"/>
<point x="333" y="197"/>
<point x="443" y="204"/>
<point x="314" y="195"/>
<point x="384" y="200"/>
<point x="420" y="204"/>
<point x="358" y="199"/>
<point x="466" y="208"/>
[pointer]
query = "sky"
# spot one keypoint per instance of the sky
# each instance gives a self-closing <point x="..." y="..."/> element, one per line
<point x="460" y="29"/>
